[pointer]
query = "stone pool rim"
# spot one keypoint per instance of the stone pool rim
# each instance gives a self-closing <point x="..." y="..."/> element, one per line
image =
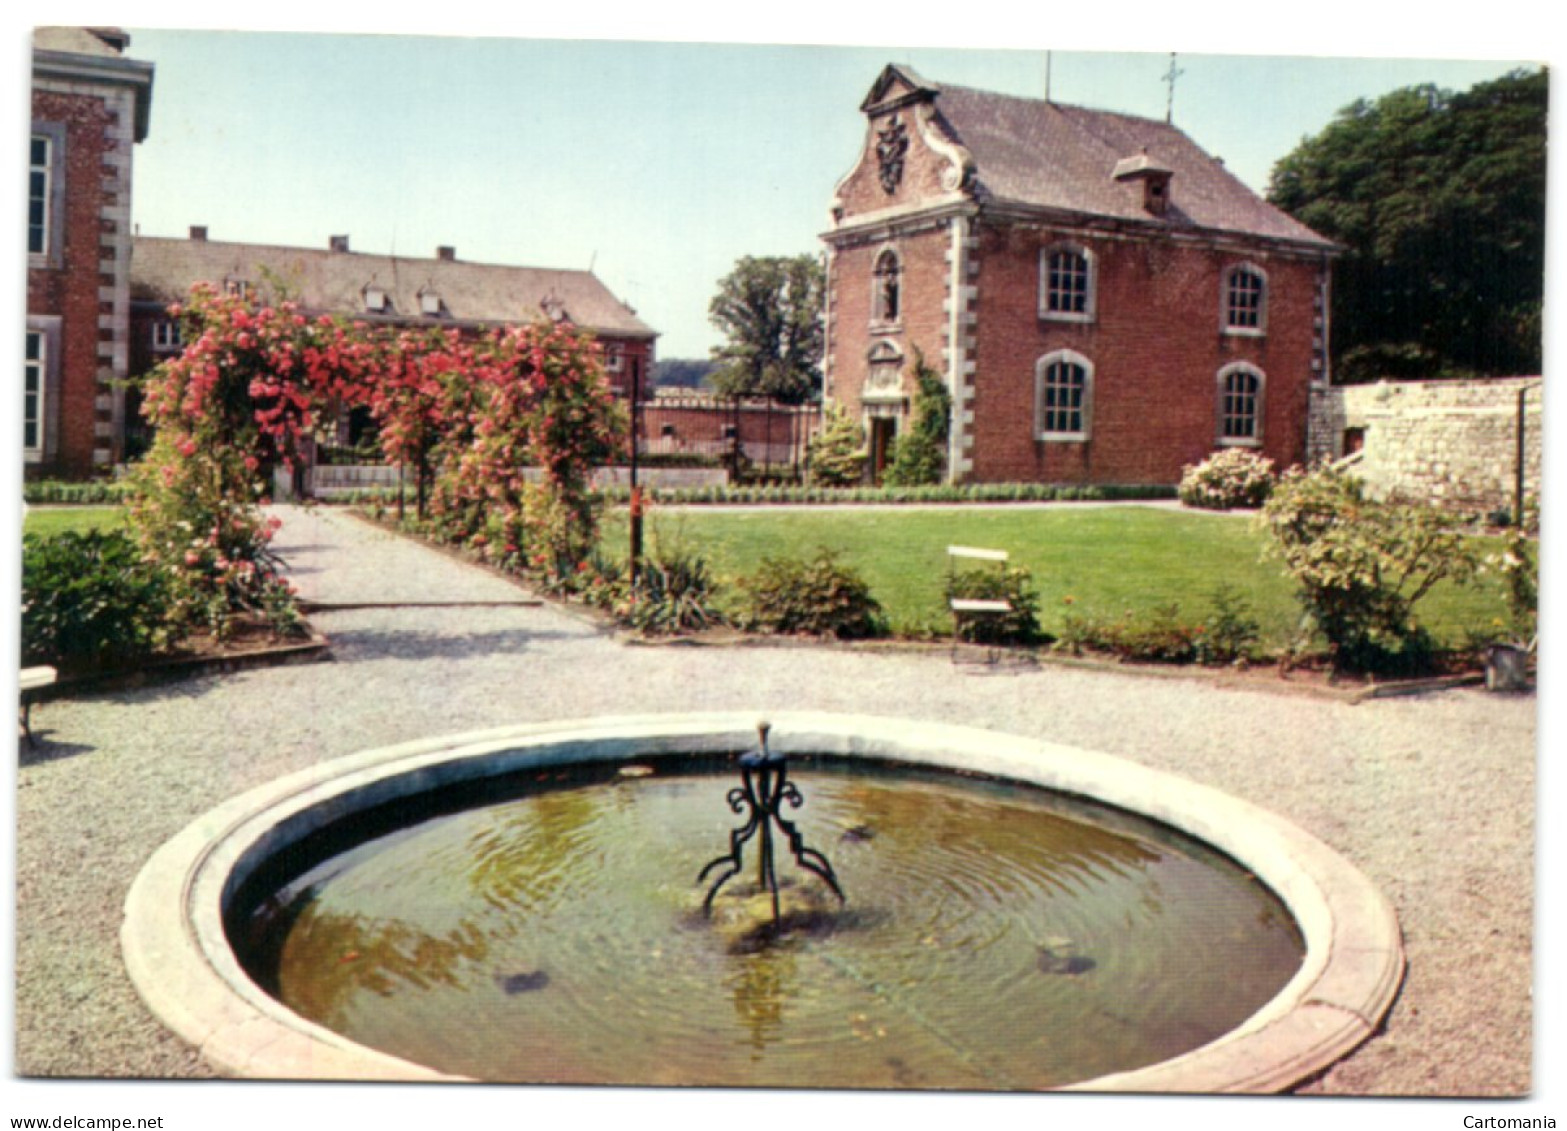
<point x="178" y="955"/>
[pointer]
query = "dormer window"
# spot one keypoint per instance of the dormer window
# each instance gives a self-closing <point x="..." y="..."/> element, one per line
<point x="1155" y="179"/>
<point x="236" y="287"/>
<point x="376" y="300"/>
<point x="887" y="298"/>
<point x="429" y="303"/>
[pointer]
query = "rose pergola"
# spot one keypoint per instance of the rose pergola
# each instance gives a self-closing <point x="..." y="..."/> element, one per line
<point x="501" y="431"/>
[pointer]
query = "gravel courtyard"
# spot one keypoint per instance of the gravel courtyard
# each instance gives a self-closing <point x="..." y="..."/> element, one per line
<point x="1433" y="796"/>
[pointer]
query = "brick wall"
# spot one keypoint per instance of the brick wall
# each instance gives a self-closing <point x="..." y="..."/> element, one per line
<point x="78" y="285"/>
<point x="1454" y="443"/>
<point x="1156" y="346"/>
<point x="701" y="426"/>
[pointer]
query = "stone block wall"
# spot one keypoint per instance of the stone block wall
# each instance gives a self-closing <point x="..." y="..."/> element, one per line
<point x="1452" y="443"/>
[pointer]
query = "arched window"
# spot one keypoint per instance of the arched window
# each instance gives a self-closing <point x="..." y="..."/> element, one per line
<point x="1240" y="405"/>
<point x="887" y="299"/>
<point x="1245" y="300"/>
<point x="1066" y="283"/>
<point x="1063" y="396"/>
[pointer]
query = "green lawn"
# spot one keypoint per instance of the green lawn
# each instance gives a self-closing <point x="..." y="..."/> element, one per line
<point x="1107" y="559"/>
<point x="52" y="520"/>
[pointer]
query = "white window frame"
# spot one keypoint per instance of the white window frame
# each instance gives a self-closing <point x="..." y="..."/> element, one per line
<point x="614" y="357"/>
<point x="35" y="393"/>
<point x="51" y="198"/>
<point x="166" y="335"/>
<point x="236" y="287"/>
<point x="376" y="299"/>
<point x="1222" y="413"/>
<point x="1084" y="409"/>
<point x="879" y="315"/>
<point x="429" y="303"/>
<point x="1090" y="284"/>
<point x="1227" y="296"/>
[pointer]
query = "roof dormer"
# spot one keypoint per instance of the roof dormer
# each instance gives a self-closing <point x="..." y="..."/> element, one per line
<point x="1155" y="179"/>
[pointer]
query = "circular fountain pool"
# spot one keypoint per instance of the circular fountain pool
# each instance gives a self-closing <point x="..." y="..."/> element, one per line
<point x="522" y="906"/>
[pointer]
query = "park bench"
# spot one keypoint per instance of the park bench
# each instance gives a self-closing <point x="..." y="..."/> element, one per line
<point x="33" y="680"/>
<point x="974" y="611"/>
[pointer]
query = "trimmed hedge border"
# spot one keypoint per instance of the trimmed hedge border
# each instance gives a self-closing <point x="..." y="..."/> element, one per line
<point x="742" y="495"/>
<point x="45" y="492"/>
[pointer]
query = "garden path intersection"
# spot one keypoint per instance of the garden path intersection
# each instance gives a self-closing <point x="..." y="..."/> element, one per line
<point x="1432" y="796"/>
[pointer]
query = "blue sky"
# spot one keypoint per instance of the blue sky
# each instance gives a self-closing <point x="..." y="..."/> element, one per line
<point x="657" y="164"/>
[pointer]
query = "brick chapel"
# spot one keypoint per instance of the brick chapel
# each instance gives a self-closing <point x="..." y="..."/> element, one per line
<point x="1104" y="300"/>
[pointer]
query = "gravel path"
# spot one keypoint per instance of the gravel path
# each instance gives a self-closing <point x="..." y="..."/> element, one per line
<point x="1433" y="796"/>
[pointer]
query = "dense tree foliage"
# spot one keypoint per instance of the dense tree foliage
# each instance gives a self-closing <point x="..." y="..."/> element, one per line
<point x="1439" y="201"/>
<point x="770" y="309"/>
<point x="683" y="372"/>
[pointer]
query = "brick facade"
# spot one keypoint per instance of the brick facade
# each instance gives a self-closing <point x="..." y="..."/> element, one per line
<point x="971" y="282"/>
<point x="89" y="106"/>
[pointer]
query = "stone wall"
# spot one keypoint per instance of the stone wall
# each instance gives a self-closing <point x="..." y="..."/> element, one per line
<point x="1453" y="443"/>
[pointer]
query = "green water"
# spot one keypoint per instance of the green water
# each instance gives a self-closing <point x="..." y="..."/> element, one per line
<point x="995" y="937"/>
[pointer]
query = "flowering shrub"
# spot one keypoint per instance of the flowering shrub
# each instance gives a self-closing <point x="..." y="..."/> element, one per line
<point x="1519" y="564"/>
<point x="246" y="393"/>
<point x="1230" y="478"/>
<point x="524" y="427"/>
<point x="1360" y="565"/>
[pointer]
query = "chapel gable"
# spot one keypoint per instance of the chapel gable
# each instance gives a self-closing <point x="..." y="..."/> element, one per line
<point x="908" y="157"/>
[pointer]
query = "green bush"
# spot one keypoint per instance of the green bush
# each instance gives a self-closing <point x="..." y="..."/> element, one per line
<point x="1160" y="635"/>
<point x="836" y="455"/>
<point x="1231" y="632"/>
<point x="1361" y="564"/>
<point x="816" y="597"/>
<point x="1230" y="478"/>
<point x="1012" y="584"/>
<point x="89" y="600"/>
<point x="920" y="456"/>
<point x="673" y="593"/>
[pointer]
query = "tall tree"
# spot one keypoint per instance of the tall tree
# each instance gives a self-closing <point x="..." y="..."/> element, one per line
<point x="1439" y="201"/>
<point x="770" y="309"/>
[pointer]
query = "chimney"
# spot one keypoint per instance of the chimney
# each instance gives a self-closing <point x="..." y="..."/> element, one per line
<point x="338" y="243"/>
<point x="446" y="254"/>
<point x="198" y="233"/>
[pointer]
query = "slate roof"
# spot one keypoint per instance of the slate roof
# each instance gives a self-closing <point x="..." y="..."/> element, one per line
<point x="1032" y="152"/>
<point x="164" y="269"/>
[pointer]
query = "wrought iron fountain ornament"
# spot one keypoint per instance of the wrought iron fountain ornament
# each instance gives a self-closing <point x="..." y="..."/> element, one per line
<point x="763" y="790"/>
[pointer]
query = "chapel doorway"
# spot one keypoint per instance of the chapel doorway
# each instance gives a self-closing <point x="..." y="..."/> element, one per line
<point x="884" y="429"/>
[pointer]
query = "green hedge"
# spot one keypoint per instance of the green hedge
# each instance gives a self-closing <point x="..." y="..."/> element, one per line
<point x="42" y="492"/>
<point x="785" y="495"/>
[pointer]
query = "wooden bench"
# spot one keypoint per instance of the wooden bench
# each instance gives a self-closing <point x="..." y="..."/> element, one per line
<point x="33" y="679"/>
<point x="974" y="610"/>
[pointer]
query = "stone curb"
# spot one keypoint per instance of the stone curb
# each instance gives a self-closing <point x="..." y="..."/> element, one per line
<point x="312" y="650"/>
<point x="178" y="957"/>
